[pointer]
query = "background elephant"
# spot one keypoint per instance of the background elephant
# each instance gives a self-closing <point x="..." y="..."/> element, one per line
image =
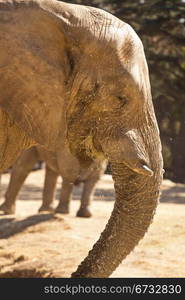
<point x="24" y="166"/>
<point x="79" y="75"/>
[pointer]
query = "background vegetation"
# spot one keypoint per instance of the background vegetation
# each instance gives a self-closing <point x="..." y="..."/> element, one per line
<point x="161" y="26"/>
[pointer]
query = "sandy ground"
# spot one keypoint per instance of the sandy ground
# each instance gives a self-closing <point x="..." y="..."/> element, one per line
<point x="48" y="245"/>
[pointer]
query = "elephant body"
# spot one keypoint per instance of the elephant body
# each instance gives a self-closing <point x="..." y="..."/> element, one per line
<point x="54" y="168"/>
<point x="79" y="75"/>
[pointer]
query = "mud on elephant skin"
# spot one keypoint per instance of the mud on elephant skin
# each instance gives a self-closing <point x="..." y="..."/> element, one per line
<point x="55" y="166"/>
<point x="78" y="74"/>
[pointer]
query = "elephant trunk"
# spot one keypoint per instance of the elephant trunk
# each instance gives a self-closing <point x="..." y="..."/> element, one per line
<point x="136" y="200"/>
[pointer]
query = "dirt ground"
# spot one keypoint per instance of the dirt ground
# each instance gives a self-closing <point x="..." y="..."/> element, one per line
<point x="48" y="245"/>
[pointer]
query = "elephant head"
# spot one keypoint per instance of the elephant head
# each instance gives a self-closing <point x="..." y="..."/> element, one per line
<point x="88" y="84"/>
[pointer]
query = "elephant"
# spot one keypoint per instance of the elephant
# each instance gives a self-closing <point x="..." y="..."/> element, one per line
<point x="25" y="164"/>
<point x="79" y="75"/>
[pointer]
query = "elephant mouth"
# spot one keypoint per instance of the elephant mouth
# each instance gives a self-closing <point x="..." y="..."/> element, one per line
<point x="130" y="150"/>
<point x="140" y="167"/>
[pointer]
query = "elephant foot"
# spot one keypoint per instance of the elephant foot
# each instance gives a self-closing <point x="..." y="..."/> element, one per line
<point x="84" y="213"/>
<point x="7" y="209"/>
<point x="48" y="208"/>
<point x="62" y="209"/>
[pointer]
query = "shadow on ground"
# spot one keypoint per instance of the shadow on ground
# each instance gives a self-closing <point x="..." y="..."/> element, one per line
<point x="174" y="194"/>
<point x="11" y="226"/>
<point x="30" y="192"/>
<point x="170" y="194"/>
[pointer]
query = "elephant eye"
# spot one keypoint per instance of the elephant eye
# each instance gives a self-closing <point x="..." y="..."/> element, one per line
<point x="123" y="99"/>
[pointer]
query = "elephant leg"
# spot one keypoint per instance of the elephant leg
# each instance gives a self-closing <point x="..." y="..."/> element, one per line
<point x="87" y="195"/>
<point x="65" y="197"/>
<point x="20" y="171"/>
<point x="49" y="189"/>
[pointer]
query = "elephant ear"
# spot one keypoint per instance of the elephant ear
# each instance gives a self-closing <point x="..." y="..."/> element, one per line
<point x="33" y="68"/>
<point x="36" y="60"/>
<point x="35" y="105"/>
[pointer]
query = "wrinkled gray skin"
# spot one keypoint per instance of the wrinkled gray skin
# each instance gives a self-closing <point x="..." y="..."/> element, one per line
<point x="25" y="164"/>
<point x="79" y="75"/>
